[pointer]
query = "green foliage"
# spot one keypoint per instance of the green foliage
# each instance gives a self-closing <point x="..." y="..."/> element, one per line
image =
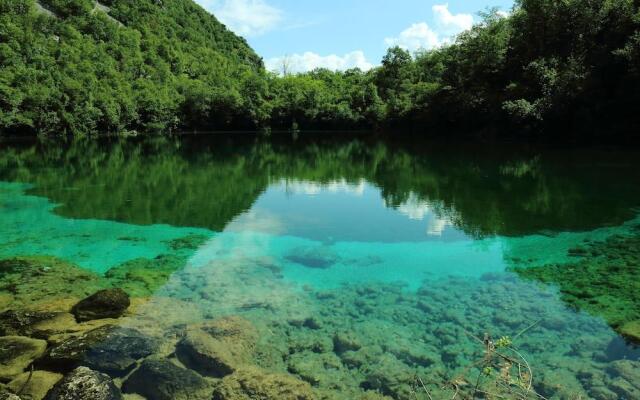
<point x="82" y="67"/>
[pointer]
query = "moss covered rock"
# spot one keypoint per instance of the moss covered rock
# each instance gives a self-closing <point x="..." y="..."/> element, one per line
<point x="34" y="386"/>
<point x="85" y="384"/>
<point x="631" y="330"/>
<point x="252" y="383"/>
<point x="17" y="353"/>
<point x="109" y="349"/>
<point x="604" y="281"/>
<point x="189" y="242"/>
<point x="143" y="276"/>
<point x="219" y="347"/>
<point x="163" y="380"/>
<point x="43" y="280"/>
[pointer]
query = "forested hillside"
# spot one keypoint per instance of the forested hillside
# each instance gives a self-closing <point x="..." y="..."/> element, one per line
<point x="75" y="66"/>
<point x="79" y="66"/>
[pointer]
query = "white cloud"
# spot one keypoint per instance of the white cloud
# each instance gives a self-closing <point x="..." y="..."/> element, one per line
<point x="421" y="36"/>
<point x="503" y="14"/>
<point x="417" y="36"/>
<point x="309" y="61"/>
<point x="417" y="209"/>
<point x="245" y="17"/>
<point x="451" y="24"/>
<point x="313" y="188"/>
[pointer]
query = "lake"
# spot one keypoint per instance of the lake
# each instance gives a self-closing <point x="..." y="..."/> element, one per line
<point x="322" y="266"/>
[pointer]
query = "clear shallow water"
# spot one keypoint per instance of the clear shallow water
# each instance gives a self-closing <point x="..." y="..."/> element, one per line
<point x="405" y="251"/>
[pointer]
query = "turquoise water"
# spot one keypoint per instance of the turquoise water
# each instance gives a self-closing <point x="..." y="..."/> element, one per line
<point x="407" y="251"/>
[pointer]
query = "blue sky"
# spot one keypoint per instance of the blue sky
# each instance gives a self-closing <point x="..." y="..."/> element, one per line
<point x="344" y="34"/>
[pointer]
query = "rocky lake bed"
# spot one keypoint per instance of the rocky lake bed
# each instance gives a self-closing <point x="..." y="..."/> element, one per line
<point x="241" y="331"/>
<point x="179" y="270"/>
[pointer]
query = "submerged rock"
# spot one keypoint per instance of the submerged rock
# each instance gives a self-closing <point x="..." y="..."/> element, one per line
<point x="17" y="353"/>
<point x="631" y="331"/>
<point x="109" y="349"/>
<point x="33" y="281"/>
<point x="9" y="396"/>
<point x="315" y="368"/>
<point x="21" y="322"/>
<point x="36" y="324"/>
<point x="85" y="384"/>
<point x="34" y="386"/>
<point x="252" y="383"/>
<point x="219" y="347"/>
<point x="606" y="286"/>
<point x="390" y="377"/>
<point x="628" y="370"/>
<point x="107" y="303"/>
<point x="559" y="384"/>
<point x="143" y="276"/>
<point x="345" y="342"/>
<point x="163" y="380"/>
<point x="313" y="257"/>
<point x="189" y="242"/>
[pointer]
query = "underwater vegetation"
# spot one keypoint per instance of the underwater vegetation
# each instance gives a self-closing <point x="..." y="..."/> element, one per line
<point x="603" y="280"/>
<point x="495" y="336"/>
<point x="237" y="329"/>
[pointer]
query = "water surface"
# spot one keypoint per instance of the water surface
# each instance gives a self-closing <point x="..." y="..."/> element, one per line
<point x="412" y="250"/>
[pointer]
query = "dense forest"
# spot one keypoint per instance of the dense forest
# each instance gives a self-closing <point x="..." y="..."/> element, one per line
<point x="77" y="66"/>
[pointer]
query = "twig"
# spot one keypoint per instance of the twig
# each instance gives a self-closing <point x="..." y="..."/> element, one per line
<point x="425" y="388"/>
<point x="472" y="336"/>
<point x="475" y="389"/>
<point x="457" y="390"/>
<point x="24" y="385"/>
<point x="528" y="367"/>
<point x="526" y="329"/>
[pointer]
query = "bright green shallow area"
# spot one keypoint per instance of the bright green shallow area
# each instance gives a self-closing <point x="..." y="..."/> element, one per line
<point x="407" y="251"/>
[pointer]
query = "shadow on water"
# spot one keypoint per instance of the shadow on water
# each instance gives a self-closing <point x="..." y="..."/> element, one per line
<point x="302" y="267"/>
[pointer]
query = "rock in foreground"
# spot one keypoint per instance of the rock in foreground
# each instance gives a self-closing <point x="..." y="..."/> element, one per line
<point x="34" y="386"/>
<point x="163" y="380"/>
<point x="17" y="353"/>
<point x="109" y="349"/>
<point x="85" y="384"/>
<point x="217" y="348"/>
<point x="108" y="303"/>
<point x="251" y="383"/>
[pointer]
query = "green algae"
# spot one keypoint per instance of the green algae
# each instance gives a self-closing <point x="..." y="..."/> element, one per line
<point x="143" y="277"/>
<point x="189" y="242"/>
<point x="631" y="330"/>
<point x="38" y="280"/>
<point x="41" y="279"/>
<point x="603" y="279"/>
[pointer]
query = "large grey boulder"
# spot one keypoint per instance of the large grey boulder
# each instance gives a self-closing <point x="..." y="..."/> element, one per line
<point x="85" y="384"/>
<point x="110" y="349"/>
